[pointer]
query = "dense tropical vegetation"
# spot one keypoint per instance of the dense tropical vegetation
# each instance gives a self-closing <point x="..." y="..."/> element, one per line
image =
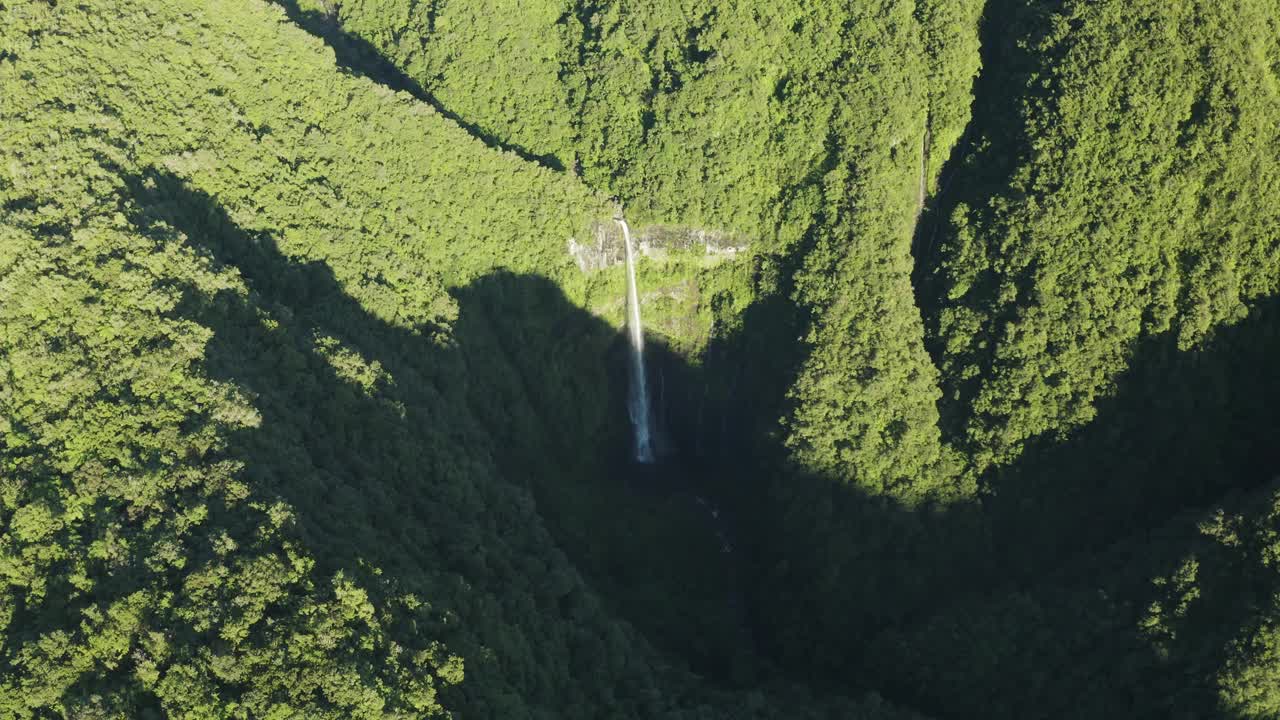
<point x="962" y="321"/>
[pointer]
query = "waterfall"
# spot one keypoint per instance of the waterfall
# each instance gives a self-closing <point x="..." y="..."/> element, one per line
<point x="638" y="396"/>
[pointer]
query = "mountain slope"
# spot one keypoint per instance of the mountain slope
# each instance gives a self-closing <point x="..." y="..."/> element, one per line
<point x="1126" y="196"/>
<point x="241" y="472"/>
<point x="961" y="323"/>
<point x="812" y="130"/>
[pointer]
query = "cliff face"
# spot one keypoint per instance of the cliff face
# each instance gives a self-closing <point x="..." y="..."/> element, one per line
<point x="602" y="248"/>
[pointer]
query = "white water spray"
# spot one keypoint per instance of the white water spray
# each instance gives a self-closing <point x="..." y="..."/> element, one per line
<point x="638" y="397"/>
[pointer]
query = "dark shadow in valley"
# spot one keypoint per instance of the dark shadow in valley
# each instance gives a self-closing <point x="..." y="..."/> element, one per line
<point x="419" y="450"/>
<point x="360" y="57"/>
<point x="1046" y="577"/>
<point x="1182" y="429"/>
<point x="638" y="531"/>
<point x="1047" y="624"/>
<point x="1080" y="529"/>
<point x="426" y="451"/>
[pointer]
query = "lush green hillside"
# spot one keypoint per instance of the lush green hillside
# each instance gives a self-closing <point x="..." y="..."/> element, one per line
<point x="247" y="470"/>
<point x="1180" y="622"/>
<point x="961" y="328"/>
<point x="1123" y="192"/>
<point x="715" y="114"/>
<point x="815" y="132"/>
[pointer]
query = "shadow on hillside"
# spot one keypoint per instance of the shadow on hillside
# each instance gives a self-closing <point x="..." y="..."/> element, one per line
<point x="1182" y="429"/>
<point x="360" y="57"/>
<point x="421" y="452"/>
<point x="637" y="531"/>
<point x="981" y="165"/>
<point x="1081" y="527"/>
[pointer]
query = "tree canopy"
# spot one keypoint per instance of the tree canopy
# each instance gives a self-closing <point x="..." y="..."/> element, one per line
<point x="961" y="319"/>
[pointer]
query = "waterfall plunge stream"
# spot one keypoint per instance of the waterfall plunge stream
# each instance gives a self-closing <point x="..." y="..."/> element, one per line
<point x="638" y="396"/>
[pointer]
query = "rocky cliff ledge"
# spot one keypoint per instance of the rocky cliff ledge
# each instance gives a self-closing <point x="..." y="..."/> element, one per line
<point x="603" y="246"/>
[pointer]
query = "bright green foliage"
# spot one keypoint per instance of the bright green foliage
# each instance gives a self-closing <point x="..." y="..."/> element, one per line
<point x="511" y="70"/>
<point x="141" y="570"/>
<point x="244" y="474"/>
<point x="1249" y="688"/>
<point x="806" y="121"/>
<point x="951" y="52"/>
<point x="712" y="114"/>
<point x="865" y="399"/>
<point x="803" y="127"/>
<point x="1140" y="204"/>
<point x="306" y="409"/>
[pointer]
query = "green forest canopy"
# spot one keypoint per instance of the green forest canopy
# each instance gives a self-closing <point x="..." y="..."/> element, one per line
<point x="307" y="412"/>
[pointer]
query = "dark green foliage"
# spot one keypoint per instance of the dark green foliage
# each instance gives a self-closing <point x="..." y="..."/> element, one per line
<point x="1180" y="623"/>
<point x="961" y="334"/>
<point x="246" y="469"/>
<point x="804" y="127"/>
<point x="1138" y="204"/>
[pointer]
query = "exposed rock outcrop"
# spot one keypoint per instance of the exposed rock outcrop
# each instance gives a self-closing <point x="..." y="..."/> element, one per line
<point x="603" y="247"/>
